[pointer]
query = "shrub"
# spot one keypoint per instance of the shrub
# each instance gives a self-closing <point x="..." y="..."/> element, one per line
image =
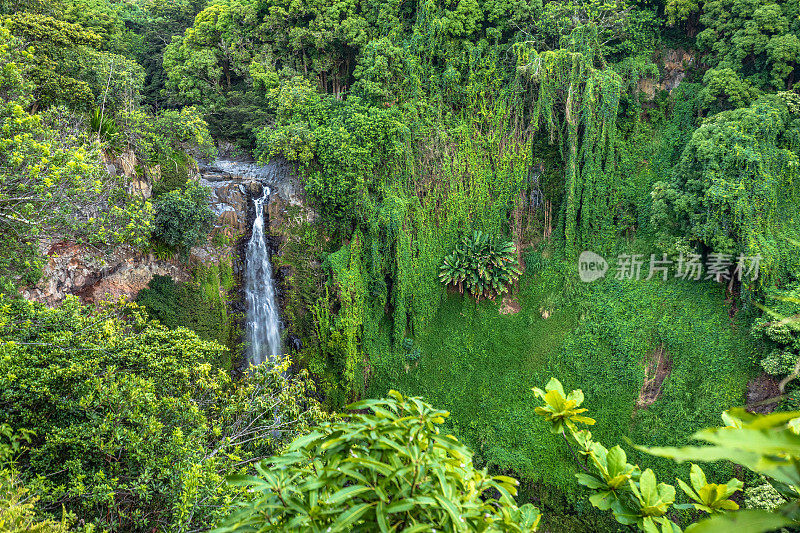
<point x="133" y="429"/>
<point x="18" y="511"/>
<point x="388" y="469"/>
<point x="196" y="305"/>
<point x="486" y="265"/>
<point x="183" y="216"/>
<point x="779" y="362"/>
<point x="779" y="329"/>
<point x="763" y="496"/>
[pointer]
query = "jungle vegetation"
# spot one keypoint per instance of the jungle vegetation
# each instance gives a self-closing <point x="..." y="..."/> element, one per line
<point x="457" y="156"/>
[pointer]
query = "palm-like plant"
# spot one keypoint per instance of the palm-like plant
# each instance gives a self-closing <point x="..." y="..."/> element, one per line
<point x="486" y="265"/>
<point x="103" y="125"/>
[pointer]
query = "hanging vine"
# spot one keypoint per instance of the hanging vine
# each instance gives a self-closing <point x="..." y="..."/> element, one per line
<point x="576" y="104"/>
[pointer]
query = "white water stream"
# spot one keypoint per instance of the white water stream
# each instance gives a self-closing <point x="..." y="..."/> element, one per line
<point x="263" y="322"/>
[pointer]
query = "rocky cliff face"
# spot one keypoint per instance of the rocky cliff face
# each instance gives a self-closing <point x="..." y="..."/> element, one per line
<point x="233" y="181"/>
<point x="673" y="64"/>
<point x="92" y="276"/>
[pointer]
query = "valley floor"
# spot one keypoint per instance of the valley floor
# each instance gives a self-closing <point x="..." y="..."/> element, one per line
<point x="481" y="364"/>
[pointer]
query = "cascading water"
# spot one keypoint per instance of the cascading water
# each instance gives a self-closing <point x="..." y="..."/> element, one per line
<point x="263" y="322"/>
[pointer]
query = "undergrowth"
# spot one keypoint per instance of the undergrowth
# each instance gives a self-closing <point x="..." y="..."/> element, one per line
<point x="480" y="365"/>
<point x="200" y="305"/>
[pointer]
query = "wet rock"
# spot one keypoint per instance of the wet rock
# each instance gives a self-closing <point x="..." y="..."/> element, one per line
<point x="254" y="188"/>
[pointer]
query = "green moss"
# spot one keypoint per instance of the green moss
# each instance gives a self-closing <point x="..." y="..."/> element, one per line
<point x="200" y="305"/>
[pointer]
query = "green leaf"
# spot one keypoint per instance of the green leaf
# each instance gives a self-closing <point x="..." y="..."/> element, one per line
<point x="245" y="481"/>
<point x="399" y="507"/>
<point x="348" y="517"/>
<point x="603" y="500"/>
<point x="697" y="477"/>
<point x="617" y="460"/>
<point x="590" y="481"/>
<point x="380" y="515"/>
<point x="452" y="510"/>
<point x="749" y="521"/>
<point x="347" y="493"/>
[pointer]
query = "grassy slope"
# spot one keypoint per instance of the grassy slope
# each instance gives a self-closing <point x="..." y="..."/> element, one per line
<point x="481" y="365"/>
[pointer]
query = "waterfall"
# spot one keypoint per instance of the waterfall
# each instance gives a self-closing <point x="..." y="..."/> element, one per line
<point x="263" y="323"/>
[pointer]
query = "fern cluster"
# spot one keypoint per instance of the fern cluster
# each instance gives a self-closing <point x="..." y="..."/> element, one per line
<point x="485" y="265"/>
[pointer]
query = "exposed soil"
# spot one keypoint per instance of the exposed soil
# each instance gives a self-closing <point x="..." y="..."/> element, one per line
<point x="659" y="366"/>
<point x="759" y="393"/>
<point x="510" y="305"/>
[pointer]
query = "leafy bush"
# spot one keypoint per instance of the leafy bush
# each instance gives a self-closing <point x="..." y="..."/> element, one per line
<point x="167" y="134"/>
<point x="388" y="469"/>
<point x="763" y="496"/>
<point x="486" y="265"/>
<point x="18" y="511"/>
<point x="734" y="201"/>
<point x="52" y="178"/>
<point x="183" y="216"/>
<point x="768" y="445"/>
<point x="779" y="329"/>
<point x="633" y="495"/>
<point x="779" y="362"/>
<point x="133" y="428"/>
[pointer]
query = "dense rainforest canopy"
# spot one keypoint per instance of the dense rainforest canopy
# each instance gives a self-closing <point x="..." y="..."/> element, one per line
<point x="616" y="184"/>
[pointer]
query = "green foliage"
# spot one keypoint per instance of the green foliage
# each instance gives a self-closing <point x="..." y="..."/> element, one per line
<point x="412" y="125"/>
<point x="759" y="39"/>
<point x="209" y="64"/>
<point x="153" y="24"/>
<point x="577" y="105"/>
<point x="52" y="179"/>
<point x="183" y="217"/>
<point x="104" y="126"/>
<point x="710" y="497"/>
<point x="733" y="191"/>
<point x="12" y="443"/>
<point x="386" y="469"/>
<point x="413" y="353"/>
<point x="485" y="264"/>
<point x="632" y="495"/>
<point x="779" y="330"/>
<point x="67" y="65"/>
<point x="763" y="496"/>
<point x="163" y="137"/>
<point x="134" y="428"/>
<point x="724" y="89"/>
<point x="599" y="339"/>
<point x="561" y="412"/>
<point x="212" y="56"/>
<point x="341" y="149"/>
<point x="200" y="305"/>
<point x="18" y="511"/>
<point x="344" y="334"/>
<point x="767" y="445"/>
